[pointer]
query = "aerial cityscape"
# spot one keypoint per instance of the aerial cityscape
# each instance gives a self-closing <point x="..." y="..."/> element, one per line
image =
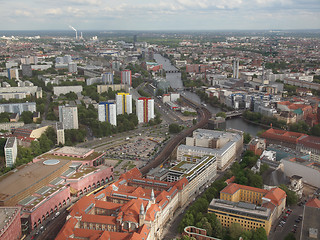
<point x="172" y="120"/>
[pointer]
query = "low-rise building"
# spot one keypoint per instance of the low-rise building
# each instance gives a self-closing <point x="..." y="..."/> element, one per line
<point x="310" y="227"/>
<point x="10" y="223"/>
<point x="251" y="207"/>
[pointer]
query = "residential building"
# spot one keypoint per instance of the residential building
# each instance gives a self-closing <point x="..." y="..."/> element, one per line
<point x="145" y="109"/>
<point x="18" y="107"/>
<point x="20" y="92"/>
<point x="13" y="73"/>
<point x="63" y="90"/>
<point x="257" y="145"/>
<point x="107" y="112"/>
<point x="107" y="78"/>
<point x="68" y="115"/>
<point x="60" y="133"/>
<point x="11" y="151"/>
<point x="126" y="77"/>
<point x="26" y="70"/>
<point x="72" y="67"/>
<point x="124" y="103"/>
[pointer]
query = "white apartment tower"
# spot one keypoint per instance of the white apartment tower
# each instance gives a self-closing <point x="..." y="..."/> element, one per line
<point x="11" y="151"/>
<point x="126" y="77"/>
<point x="107" y="112"/>
<point x="60" y="133"/>
<point x="145" y="109"/>
<point x="124" y="103"/>
<point x="107" y="78"/>
<point x="68" y="115"/>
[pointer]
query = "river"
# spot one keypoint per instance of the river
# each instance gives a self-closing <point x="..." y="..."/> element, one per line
<point x="176" y="83"/>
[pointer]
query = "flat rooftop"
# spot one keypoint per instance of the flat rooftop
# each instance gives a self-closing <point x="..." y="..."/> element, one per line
<point x="311" y="219"/>
<point x="50" y="155"/>
<point x="26" y="176"/>
<point x="73" y="151"/>
<point x="241" y="208"/>
<point x="5" y="214"/>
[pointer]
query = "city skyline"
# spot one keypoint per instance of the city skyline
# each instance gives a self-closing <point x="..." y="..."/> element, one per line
<point x="163" y="15"/>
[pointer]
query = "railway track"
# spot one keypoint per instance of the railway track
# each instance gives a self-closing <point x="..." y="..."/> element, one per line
<point x="204" y="116"/>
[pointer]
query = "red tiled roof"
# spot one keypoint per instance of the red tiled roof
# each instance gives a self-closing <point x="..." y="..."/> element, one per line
<point x="276" y="195"/>
<point x="90" y="218"/>
<point x="310" y="141"/>
<point x="108" y="205"/>
<point x="230" y="180"/>
<point x="234" y="187"/>
<point x="315" y="203"/>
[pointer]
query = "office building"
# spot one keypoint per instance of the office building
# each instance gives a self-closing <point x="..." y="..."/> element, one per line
<point x="10" y="224"/>
<point x="72" y="67"/>
<point x="145" y="109"/>
<point x="26" y="70"/>
<point x="107" y="112"/>
<point x="107" y="78"/>
<point x="250" y="207"/>
<point x="60" y="133"/>
<point x="11" y="151"/>
<point x="67" y="59"/>
<point x="68" y="115"/>
<point x="226" y="146"/>
<point x="126" y="77"/>
<point x="124" y="103"/>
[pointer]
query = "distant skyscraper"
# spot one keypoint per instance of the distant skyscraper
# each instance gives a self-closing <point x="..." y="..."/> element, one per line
<point x="72" y="67"/>
<point x="107" y="78"/>
<point x="10" y="151"/>
<point x="26" y="70"/>
<point x="124" y="103"/>
<point x="145" y="109"/>
<point x="126" y="77"/>
<point x="107" y="112"/>
<point x="68" y="115"/>
<point x="236" y="68"/>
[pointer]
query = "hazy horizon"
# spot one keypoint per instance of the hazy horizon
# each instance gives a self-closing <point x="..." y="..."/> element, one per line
<point x="160" y="15"/>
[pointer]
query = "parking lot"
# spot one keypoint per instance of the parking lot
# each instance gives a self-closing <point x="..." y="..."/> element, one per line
<point x="290" y="221"/>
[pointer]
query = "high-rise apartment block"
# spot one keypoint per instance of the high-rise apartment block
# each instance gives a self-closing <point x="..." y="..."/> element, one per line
<point x="107" y="112"/>
<point x="72" y="67"/>
<point x="68" y="115"/>
<point x="124" y="103"/>
<point x="126" y="77"/>
<point x="13" y="73"/>
<point x="11" y="151"/>
<point x="235" y="68"/>
<point x="145" y="109"/>
<point x="26" y="70"/>
<point x="60" y="133"/>
<point x="107" y="78"/>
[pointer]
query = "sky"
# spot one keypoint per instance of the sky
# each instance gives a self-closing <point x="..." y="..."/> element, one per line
<point x="159" y="14"/>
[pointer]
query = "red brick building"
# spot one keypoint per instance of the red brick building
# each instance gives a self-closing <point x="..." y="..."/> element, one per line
<point x="10" y="224"/>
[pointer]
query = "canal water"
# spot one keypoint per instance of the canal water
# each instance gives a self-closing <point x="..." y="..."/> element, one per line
<point x="176" y="83"/>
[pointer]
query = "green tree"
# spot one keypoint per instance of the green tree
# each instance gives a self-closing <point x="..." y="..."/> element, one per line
<point x="246" y="138"/>
<point x="315" y="130"/>
<point x="221" y="114"/>
<point x="259" y="234"/>
<point x="292" y="197"/>
<point x="175" y="128"/>
<point x="290" y="236"/>
<point x="235" y="231"/>
<point x="26" y="117"/>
